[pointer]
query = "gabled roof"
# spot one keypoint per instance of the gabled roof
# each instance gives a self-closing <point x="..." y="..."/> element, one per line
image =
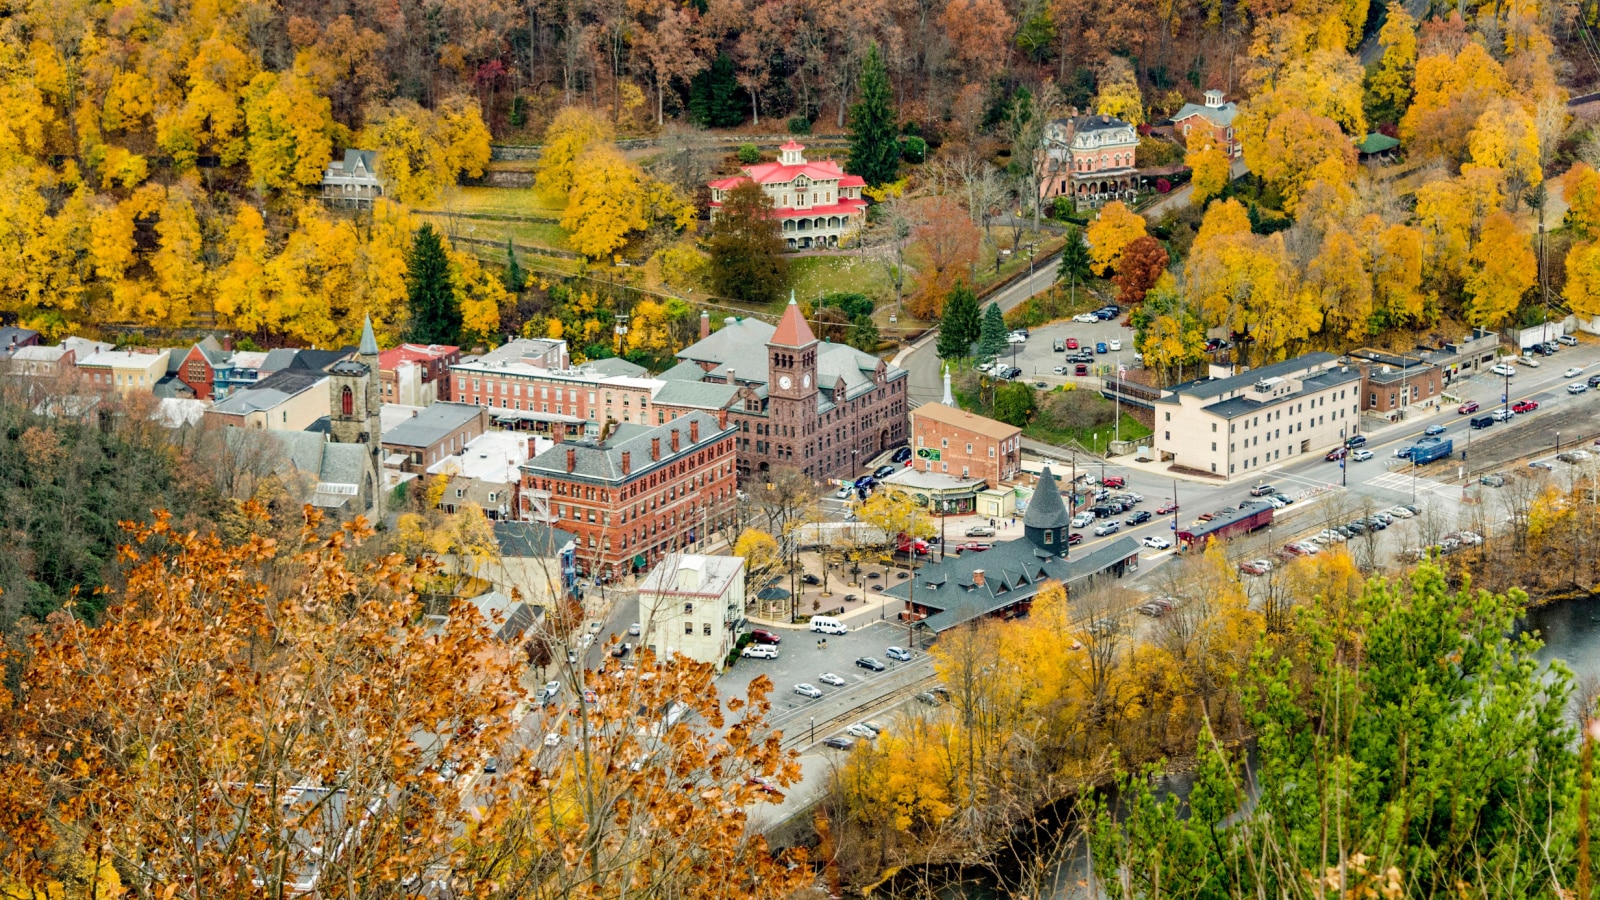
<point x="792" y="330"/>
<point x="211" y="349"/>
<point x="604" y="461"/>
<point x="1377" y="143"/>
<point x="1217" y="115"/>
<point x="432" y="424"/>
<point x="696" y="394"/>
<point x="617" y="367"/>
<point x="318" y="360"/>
<point x="269" y="392"/>
<point x="778" y="173"/>
<point x="394" y="356"/>
<point x="683" y="371"/>
<point x="529" y="540"/>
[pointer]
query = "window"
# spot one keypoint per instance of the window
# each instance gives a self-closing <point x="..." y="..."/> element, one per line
<point x="688" y="609"/>
<point x="707" y="629"/>
<point x="347" y="401"/>
<point x="688" y="628"/>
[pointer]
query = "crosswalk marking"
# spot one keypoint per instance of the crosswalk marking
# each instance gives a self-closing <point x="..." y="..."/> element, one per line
<point x="1400" y="482"/>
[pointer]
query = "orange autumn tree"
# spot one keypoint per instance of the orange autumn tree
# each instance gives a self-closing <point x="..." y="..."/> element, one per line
<point x="947" y="243"/>
<point x="265" y="718"/>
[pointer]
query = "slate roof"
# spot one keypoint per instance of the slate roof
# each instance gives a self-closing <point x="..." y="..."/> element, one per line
<point x="1014" y="571"/>
<point x="211" y="349"/>
<point x="1217" y="115"/>
<point x="38" y="353"/>
<point x="792" y="330"/>
<point x="696" y="394"/>
<point x="617" y="367"/>
<point x="281" y="358"/>
<point x="529" y="540"/>
<point x="1046" y="509"/>
<point x="741" y="345"/>
<point x="318" y="360"/>
<point x="21" y="337"/>
<point x="432" y="425"/>
<point x="269" y="392"/>
<point x="603" y="462"/>
<point x="684" y="371"/>
<point x="1097" y="122"/>
<point x="170" y="388"/>
<point x="1242" y="406"/>
<point x="1216" y="387"/>
<point x="369" y="343"/>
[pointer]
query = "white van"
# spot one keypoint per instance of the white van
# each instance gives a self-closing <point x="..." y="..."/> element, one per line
<point x="828" y="625"/>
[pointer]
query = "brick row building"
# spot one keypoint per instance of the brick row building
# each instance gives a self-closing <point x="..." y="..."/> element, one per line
<point x="644" y="492"/>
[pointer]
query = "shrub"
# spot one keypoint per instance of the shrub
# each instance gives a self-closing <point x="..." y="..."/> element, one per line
<point x="914" y="149"/>
<point x="748" y="154"/>
<point x="799" y="125"/>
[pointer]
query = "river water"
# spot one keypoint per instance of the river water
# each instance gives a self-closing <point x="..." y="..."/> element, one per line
<point x="1570" y="630"/>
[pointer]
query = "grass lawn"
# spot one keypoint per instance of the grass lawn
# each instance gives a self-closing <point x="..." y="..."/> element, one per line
<point x="812" y="275"/>
<point x="1094" y="439"/>
<point x="499" y="201"/>
<point x="536" y="234"/>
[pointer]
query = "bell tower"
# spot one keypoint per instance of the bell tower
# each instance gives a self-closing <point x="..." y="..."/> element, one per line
<point x="792" y="357"/>
<point x="355" y="402"/>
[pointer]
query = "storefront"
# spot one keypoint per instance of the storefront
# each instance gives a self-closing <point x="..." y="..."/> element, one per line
<point x="940" y="494"/>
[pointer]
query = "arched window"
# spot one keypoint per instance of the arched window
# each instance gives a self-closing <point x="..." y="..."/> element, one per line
<point x="347" y="401"/>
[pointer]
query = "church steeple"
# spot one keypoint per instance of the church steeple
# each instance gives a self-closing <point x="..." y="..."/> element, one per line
<point x="792" y="357"/>
<point x="355" y="404"/>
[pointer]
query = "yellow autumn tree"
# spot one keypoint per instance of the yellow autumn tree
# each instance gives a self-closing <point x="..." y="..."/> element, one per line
<point x="1119" y="93"/>
<point x="1506" y="139"/>
<point x="381" y="281"/>
<point x="313" y="275"/>
<point x="606" y="203"/>
<point x="291" y="131"/>
<point x="1337" y="281"/>
<point x="1449" y="211"/>
<point x="1503" y="270"/>
<point x="1580" y="187"/>
<point x="570" y="135"/>
<point x="1211" y="167"/>
<point x="1582" y="290"/>
<point x="1287" y="146"/>
<point x="243" y="289"/>
<point x="1396" y="255"/>
<point x="420" y="152"/>
<point x="481" y="296"/>
<point x="1110" y="233"/>
<point x="1449" y="92"/>
<point x="1391" y="84"/>
<point x="1327" y="83"/>
<point x="181" y="274"/>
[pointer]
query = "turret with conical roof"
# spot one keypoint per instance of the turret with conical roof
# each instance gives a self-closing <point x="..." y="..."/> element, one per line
<point x="1047" y="520"/>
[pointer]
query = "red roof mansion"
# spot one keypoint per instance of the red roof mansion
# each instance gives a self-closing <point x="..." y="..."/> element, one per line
<point x="817" y="202"/>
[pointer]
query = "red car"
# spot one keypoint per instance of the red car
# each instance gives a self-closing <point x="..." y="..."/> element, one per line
<point x="1074" y="539"/>
<point x="1167" y="509"/>
<point x="763" y="636"/>
<point x="1072" y="343"/>
<point x="1336" y="454"/>
<point x="974" y="546"/>
<point x="1114" y="481"/>
<point x="1471" y="406"/>
<point x="1524" y="406"/>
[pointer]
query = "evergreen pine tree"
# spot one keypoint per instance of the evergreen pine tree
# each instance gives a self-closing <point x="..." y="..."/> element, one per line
<point x="516" y="279"/>
<point x="992" y="335"/>
<point x="863" y="334"/>
<point x="715" y="99"/>
<point x="874" y="149"/>
<point x="435" y="316"/>
<point x="961" y="325"/>
<point x="1075" y="262"/>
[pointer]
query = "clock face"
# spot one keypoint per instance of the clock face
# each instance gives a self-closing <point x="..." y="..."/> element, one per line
<point x="784" y="382"/>
<point x="806" y="380"/>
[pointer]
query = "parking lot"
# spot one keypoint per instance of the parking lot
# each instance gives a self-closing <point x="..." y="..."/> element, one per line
<point x="1037" y="360"/>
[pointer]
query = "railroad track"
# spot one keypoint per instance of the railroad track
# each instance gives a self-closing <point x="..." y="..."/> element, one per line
<point x="803" y="731"/>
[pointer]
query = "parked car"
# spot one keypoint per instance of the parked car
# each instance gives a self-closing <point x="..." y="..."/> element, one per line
<point x="838" y="743"/>
<point x="1502" y="369"/>
<point x="1402" y="512"/>
<point x="901" y="456"/>
<point x="980" y="531"/>
<point x="1059" y="346"/>
<point x="1577" y="387"/>
<point x="634" y="629"/>
<point x="763" y="636"/>
<point x="623" y="649"/>
<point x="900" y="653"/>
<point x="1525" y="406"/>
<point x="1361" y="455"/>
<point x="1541" y="465"/>
<point x="1109" y="526"/>
<point x="1072" y="343"/>
<point x="759" y="651"/>
<point x="1432" y="430"/>
<point x="1074" y="539"/>
<point x="1566" y="340"/>
<point x="810" y="691"/>
<point x="1594" y="381"/>
<point x="1086" y="318"/>
<point x="1471" y="406"/>
<point x="1256" y="567"/>
<point x="861" y="731"/>
<point x="1061" y="370"/>
<point x="1156" y="542"/>
<point x="1083" y="520"/>
<point x="973" y="547"/>
<point x="883" y="472"/>
<point x="1116" y="346"/>
<point x="872" y="663"/>
<point x="1336" y="454"/>
<point x="1355" y="440"/>
<point x="830" y="678"/>
<point x="928" y="698"/>
<point x="1260" y="490"/>
<point x="1100" y="346"/>
<point x="1502" y="414"/>
<point x="810" y="579"/>
<point x="1138" y="518"/>
<point x="1080" y="369"/>
<point x="1114" y="481"/>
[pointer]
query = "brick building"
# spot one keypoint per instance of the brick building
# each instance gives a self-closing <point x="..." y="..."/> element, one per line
<point x="1392" y="384"/>
<point x="417" y="374"/>
<point x="527" y="386"/>
<point x="822" y="408"/>
<point x="955" y="442"/>
<point x="1214" y="116"/>
<point x="431" y="434"/>
<point x="645" y="492"/>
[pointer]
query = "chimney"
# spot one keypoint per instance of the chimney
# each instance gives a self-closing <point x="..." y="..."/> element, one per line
<point x="572" y="459"/>
<point x="722" y="420"/>
<point x="705" y="324"/>
<point x="694" y="431"/>
<point x="655" y="448"/>
<point x="730" y="320"/>
<point x="227" y="342"/>
<point x="627" y="462"/>
<point x="977" y="577"/>
<point x="731" y="378"/>
<point x="558" y="433"/>
<point x="674" y="437"/>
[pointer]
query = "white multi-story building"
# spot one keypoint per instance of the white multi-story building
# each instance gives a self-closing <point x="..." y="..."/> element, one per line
<point x="816" y="202"/>
<point x="693" y="606"/>
<point x="1237" y="425"/>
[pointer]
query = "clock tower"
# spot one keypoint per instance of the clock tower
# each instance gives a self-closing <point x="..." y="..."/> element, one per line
<point x="792" y="359"/>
